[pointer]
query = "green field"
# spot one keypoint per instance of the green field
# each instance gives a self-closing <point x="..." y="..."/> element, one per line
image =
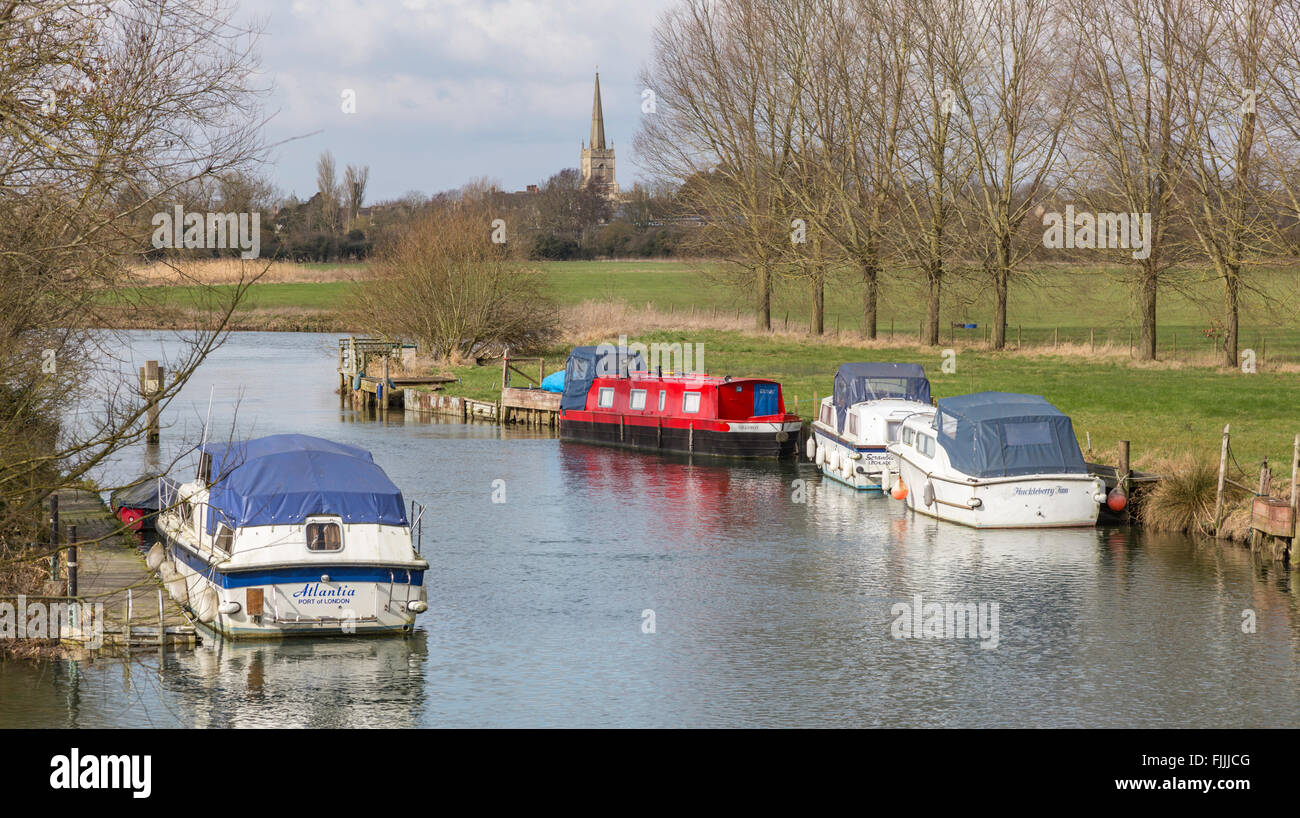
<point x="1072" y="306"/>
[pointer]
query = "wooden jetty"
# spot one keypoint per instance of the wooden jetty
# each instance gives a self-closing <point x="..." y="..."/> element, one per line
<point x="530" y="405"/>
<point x="110" y="570"/>
<point x="363" y="365"/>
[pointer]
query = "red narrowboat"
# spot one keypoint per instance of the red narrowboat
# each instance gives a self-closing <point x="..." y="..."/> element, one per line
<point x="610" y="396"/>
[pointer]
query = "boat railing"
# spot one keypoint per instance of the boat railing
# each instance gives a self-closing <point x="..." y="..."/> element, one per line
<point x="417" y="524"/>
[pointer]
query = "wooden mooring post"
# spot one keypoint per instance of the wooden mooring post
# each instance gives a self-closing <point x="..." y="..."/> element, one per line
<point x="1223" y="474"/>
<point x="54" y="536"/>
<point x="151" y="386"/>
<point x="72" y="560"/>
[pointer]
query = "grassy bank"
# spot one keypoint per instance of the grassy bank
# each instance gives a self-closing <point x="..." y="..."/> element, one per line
<point x="1163" y="411"/>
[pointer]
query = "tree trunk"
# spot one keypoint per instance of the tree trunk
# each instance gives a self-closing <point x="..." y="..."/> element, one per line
<point x="1231" y="288"/>
<point x="819" y="304"/>
<point x="870" y="298"/>
<point x="763" y="314"/>
<point x="1146" y="350"/>
<point x="1000" y="276"/>
<point x="934" y="284"/>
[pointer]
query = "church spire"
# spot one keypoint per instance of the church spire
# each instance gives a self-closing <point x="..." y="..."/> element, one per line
<point x="597" y="120"/>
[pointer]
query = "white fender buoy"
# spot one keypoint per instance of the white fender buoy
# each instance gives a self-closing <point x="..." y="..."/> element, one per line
<point x="206" y="605"/>
<point x="167" y="570"/>
<point x="178" y="589"/>
<point x="812" y="447"/>
<point x="820" y="459"/>
<point x="834" y="460"/>
<point x="927" y="494"/>
<point x="155" y="557"/>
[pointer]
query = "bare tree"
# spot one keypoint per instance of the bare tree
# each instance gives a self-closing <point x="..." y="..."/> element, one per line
<point x="933" y="160"/>
<point x="1222" y="202"/>
<point x="1017" y="100"/>
<point x="723" y="128"/>
<point x="354" y="190"/>
<point x="107" y="113"/>
<point x="327" y="186"/>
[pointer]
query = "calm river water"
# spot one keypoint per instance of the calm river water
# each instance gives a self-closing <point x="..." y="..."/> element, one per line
<point x="766" y="611"/>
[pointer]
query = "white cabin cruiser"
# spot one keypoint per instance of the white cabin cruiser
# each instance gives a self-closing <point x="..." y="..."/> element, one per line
<point x="290" y="535"/>
<point x="862" y="417"/>
<point x="996" y="460"/>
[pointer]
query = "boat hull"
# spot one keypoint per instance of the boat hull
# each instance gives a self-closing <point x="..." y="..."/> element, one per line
<point x="295" y="600"/>
<point x="835" y="459"/>
<point x="1036" y="501"/>
<point x="766" y="440"/>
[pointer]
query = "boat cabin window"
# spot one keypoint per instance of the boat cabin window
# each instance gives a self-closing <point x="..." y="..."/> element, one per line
<point x="925" y="445"/>
<point x="1028" y="433"/>
<point x="909" y="434"/>
<point x="225" y="537"/>
<point x="690" y="402"/>
<point x="324" y="536"/>
<point x="663" y="399"/>
<point x="637" y="400"/>
<point x="605" y="398"/>
<point x="828" y="415"/>
<point x="853" y="424"/>
<point x="891" y="430"/>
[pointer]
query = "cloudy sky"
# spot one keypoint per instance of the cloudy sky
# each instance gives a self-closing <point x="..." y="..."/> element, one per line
<point x="449" y="90"/>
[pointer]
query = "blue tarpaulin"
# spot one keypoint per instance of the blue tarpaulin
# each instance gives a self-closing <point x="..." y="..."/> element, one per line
<point x="1004" y="434"/>
<point x="554" y="382"/>
<point x="766" y="399"/>
<point x="283" y="479"/>
<point x="855" y="383"/>
<point x="585" y="364"/>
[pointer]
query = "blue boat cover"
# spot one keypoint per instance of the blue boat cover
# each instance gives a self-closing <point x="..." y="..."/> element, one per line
<point x="283" y="479"/>
<point x="855" y="383"/>
<point x="554" y="382"/>
<point x="588" y="363"/>
<point x="1004" y="434"/>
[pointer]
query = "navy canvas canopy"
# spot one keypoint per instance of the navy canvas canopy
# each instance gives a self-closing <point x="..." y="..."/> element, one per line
<point x="1004" y="434"/>
<point x="588" y="363"/>
<point x="855" y="383"/>
<point x="283" y="479"/>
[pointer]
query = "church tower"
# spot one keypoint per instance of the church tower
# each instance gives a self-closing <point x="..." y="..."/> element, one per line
<point x="597" y="160"/>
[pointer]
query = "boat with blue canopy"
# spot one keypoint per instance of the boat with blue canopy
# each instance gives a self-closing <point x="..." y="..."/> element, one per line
<point x="290" y="534"/>
<point x="857" y="421"/>
<point x="996" y="460"/>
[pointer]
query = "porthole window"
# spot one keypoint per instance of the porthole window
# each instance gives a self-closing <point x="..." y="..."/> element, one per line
<point x="324" y="536"/>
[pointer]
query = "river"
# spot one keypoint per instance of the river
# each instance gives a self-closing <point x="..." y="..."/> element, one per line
<point x="626" y="589"/>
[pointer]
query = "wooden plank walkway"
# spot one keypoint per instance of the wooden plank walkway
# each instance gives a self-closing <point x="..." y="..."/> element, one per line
<point x="111" y="570"/>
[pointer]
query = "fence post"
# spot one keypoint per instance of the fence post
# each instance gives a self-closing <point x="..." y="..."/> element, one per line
<point x="1223" y="469"/>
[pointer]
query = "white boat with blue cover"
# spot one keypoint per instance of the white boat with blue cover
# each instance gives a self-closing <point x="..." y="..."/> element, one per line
<point x="862" y="417"/>
<point x="290" y="535"/>
<point x="996" y="460"/>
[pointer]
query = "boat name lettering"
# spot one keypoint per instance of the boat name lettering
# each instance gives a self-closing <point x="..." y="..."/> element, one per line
<point x="1020" y="491"/>
<point x="315" y="591"/>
